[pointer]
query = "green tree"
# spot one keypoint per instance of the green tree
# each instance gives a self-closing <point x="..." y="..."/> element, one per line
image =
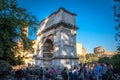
<point x="13" y="21"/>
<point x="104" y="60"/>
<point x="116" y="9"/>
<point x="91" y="58"/>
<point x="115" y="61"/>
<point x="81" y="59"/>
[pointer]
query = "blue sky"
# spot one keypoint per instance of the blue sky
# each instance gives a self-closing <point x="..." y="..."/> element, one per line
<point x="94" y="18"/>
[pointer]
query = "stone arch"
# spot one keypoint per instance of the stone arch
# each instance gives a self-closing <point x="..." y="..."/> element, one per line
<point x="48" y="49"/>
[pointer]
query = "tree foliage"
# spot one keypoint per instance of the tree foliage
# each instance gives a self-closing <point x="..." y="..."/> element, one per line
<point x="116" y="9"/>
<point x="13" y="21"/>
<point x="81" y="59"/>
<point x="104" y="60"/>
<point x="92" y="58"/>
<point x="115" y="61"/>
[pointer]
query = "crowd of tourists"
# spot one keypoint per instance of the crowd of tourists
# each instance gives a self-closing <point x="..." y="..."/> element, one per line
<point x="97" y="71"/>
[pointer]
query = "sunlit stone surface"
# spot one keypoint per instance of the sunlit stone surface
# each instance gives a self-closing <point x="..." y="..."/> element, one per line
<point x="56" y="40"/>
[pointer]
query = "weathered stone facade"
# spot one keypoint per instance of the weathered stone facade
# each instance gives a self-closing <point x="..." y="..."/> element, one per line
<point x="56" y="40"/>
<point x="99" y="50"/>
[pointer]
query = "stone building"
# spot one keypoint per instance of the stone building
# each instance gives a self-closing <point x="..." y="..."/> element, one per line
<point x="56" y="40"/>
<point x="80" y="50"/>
<point x="83" y="51"/>
<point x="99" y="50"/>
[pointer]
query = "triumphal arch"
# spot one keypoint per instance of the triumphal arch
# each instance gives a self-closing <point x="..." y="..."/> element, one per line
<point x="56" y="40"/>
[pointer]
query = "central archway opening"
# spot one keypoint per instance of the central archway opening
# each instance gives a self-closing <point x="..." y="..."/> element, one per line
<point x="48" y="52"/>
<point x="48" y="49"/>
